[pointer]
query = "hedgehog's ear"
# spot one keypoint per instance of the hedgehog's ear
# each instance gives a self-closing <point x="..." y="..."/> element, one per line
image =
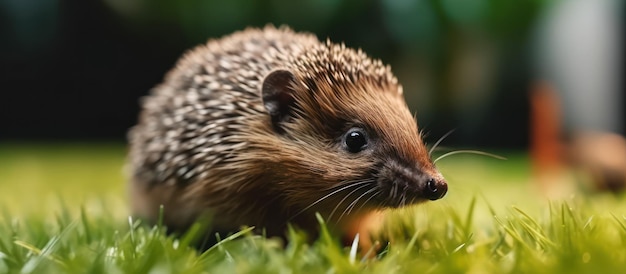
<point x="277" y="95"/>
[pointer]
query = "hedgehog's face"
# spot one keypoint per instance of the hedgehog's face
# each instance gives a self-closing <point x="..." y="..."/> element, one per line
<point x="367" y="149"/>
<point x="396" y="180"/>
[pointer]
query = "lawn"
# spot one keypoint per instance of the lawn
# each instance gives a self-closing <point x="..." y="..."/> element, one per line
<point x="64" y="211"/>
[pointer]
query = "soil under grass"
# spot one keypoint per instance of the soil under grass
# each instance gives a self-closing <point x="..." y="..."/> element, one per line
<point x="64" y="211"/>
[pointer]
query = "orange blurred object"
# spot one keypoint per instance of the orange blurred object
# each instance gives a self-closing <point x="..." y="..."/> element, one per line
<point x="545" y="128"/>
<point x="545" y="139"/>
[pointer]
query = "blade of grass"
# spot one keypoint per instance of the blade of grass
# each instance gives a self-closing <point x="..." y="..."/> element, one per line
<point x="354" y="248"/>
<point x="469" y="217"/>
<point x="513" y="233"/>
<point x="85" y="223"/>
<point x="621" y="224"/>
<point x="46" y="252"/>
<point x="228" y="239"/>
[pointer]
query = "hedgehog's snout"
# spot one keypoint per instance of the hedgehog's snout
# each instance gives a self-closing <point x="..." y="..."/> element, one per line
<point x="405" y="185"/>
<point x="435" y="189"/>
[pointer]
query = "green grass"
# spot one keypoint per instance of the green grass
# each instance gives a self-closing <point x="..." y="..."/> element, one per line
<point x="64" y="211"/>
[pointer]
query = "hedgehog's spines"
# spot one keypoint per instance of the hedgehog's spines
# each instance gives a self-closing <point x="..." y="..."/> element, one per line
<point x="205" y="132"/>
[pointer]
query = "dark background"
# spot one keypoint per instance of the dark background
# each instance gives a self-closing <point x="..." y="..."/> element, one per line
<point x="75" y="70"/>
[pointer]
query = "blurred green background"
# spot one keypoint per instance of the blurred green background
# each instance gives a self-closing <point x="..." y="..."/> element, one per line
<point x="74" y="70"/>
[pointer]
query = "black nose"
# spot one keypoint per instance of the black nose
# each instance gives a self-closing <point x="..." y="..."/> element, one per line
<point x="435" y="189"/>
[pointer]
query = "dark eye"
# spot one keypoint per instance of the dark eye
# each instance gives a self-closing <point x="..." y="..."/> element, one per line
<point x="355" y="140"/>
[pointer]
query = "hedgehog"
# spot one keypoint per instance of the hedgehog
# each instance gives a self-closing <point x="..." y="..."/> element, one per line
<point x="269" y="127"/>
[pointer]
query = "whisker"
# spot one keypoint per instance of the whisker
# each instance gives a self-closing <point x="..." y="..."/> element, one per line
<point x="440" y="140"/>
<point x="351" y="205"/>
<point x="477" y="152"/>
<point x="404" y="201"/>
<point x="393" y="185"/>
<point x="342" y="200"/>
<point x="368" y="199"/>
<point x="328" y="195"/>
<point x="354" y="203"/>
<point x="394" y="191"/>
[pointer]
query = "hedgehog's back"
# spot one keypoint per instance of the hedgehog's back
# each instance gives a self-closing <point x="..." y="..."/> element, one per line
<point x="188" y="119"/>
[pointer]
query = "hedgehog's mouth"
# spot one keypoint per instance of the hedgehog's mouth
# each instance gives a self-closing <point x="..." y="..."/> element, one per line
<point x="400" y="186"/>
